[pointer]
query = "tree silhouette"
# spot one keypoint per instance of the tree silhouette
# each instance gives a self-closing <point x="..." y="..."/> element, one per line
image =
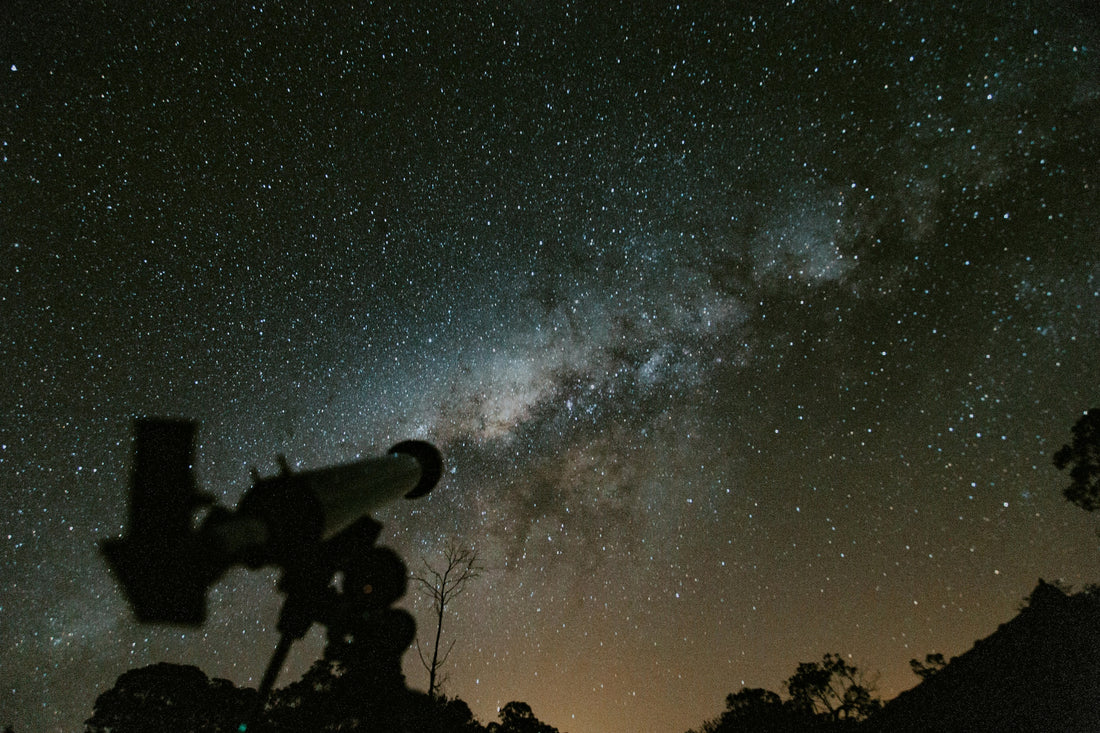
<point x="454" y="715"/>
<point x="460" y="566"/>
<point x="327" y="700"/>
<point x="1083" y="454"/>
<point x="516" y="717"/>
<point x="305" y="704"/>
<point x="931" y="665"/>
<point x="831" y="688"/>
<point x="172" y="698"/>
<point x="829" y="695"/>
<point x="756" y="710"/>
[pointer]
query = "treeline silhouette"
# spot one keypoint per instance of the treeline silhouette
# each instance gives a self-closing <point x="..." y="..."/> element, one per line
<point x="177" y="698"/>
<point x="830" y="695"/>
<point x="1036" y="672"/>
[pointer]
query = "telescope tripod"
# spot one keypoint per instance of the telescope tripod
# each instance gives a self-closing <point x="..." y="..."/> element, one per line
<point x="348" y="585"/>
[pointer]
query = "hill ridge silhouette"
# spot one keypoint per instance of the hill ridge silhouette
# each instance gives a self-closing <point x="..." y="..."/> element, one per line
<point x="1040" y="671"/>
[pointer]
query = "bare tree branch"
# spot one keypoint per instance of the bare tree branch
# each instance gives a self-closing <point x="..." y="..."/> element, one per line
<point x="460" y="566"/>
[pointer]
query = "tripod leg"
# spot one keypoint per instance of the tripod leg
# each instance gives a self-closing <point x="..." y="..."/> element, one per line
<point x="270" y="674"/>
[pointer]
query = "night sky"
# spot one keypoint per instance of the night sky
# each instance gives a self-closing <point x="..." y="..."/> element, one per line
<point x="747" y="330"/>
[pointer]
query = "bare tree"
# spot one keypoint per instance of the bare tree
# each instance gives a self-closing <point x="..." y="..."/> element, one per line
<point x="459" y="567"/>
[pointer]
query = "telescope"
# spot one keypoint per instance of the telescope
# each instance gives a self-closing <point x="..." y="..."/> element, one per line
<point x="166" y="564"/>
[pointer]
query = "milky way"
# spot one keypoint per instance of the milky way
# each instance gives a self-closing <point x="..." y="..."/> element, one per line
<point x="747" y="335"/>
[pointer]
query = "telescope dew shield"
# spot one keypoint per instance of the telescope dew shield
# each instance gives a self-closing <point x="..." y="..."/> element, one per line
<point x="431" y="464"/>
<point x="302" y="509"/>
<point x="347" y="493"/>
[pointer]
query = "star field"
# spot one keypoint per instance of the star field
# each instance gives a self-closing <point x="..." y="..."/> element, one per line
<point x="747" y="334"/>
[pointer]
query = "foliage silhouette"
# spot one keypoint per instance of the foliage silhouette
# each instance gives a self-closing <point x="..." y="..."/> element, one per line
<point x="829" y="695"/>
<point x="1083" y="454"/>
<point x="932" y="664"/>
<point x="756" y="710"/>
<point x="517" y="717"/>
<point x="172" y="698"/>
<point x="329" y="701"/>
<point x="832" y="688"/>
<point x="454" y="715"/>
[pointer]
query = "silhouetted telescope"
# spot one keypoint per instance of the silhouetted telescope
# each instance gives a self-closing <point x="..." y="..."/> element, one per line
<point x="166" y="564"/>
